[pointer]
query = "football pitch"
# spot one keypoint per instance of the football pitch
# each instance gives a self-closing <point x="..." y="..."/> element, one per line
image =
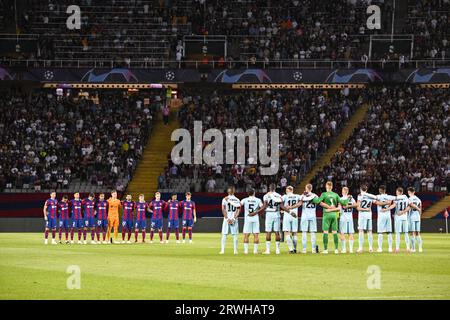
<point x="30" y="270"/>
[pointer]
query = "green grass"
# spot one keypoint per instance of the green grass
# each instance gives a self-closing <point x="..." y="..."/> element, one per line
<point x="30" y="270"/>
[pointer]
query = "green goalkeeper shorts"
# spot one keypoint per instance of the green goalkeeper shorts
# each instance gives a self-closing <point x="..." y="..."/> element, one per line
<point x="330" y="221"/>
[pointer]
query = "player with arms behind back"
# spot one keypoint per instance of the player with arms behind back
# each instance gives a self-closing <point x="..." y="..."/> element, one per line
<point x="127" y="221"/>
<point x="346" y="221"/>
<point x="251" y="206"/>
<point x="272" y="205"/>
<point x="113" y="216"/>
<point x="231" y="206"/>
<point x="141" y="218"/>
<point x="189" y="216"/>
<point x="156" y="207"/>
<point x="50" y="212"/>
<point x="414" y="219"/>
<point x="401" y="205"/>
<point x="64" y="223"/>
<point x="101" y="212"/>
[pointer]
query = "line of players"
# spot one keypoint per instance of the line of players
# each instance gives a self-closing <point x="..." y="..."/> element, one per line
<point x="101" y="217"/>
<point x="406" y="218"/>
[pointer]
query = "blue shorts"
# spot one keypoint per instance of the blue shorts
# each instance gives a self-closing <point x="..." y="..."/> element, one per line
<point x="64" y="223"/>
<point x="140" y="224"/>
<point x="401" y="225"/>
<point x="188" y="223"/>
<point x="78" y="223"/>
<point x="102" y="223"/>
<point x="414" y="226"/>
<point x="50" y="223"/>
<point x="156" y="224"/>
<point x="128" y="224"/>
<point x="384" y="223"/>
<point x="173" y="224"/>
<point x="89" y="222"/>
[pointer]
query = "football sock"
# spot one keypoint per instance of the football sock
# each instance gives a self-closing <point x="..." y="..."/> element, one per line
<point x="289" y="242"/>
<point x="255" y="248"/>
<point x="129" y="235"/>
<point x="336" y="241"/>
<point x="344" y="245"/>
<point x="304" y="240"/>
<point x="407" y="240"/>
<point x="413" y="239"/>
<point x="151" y="235"/>
<point x="277" y="244"/>
<point x="84" y="234"/>
<point x="184" y="233"/>
<point x="267" y="246"/>
<point x="380" y="240"/>
<point x="98" y="233"/>
<point x="190" y="234"/>
<point x="235" y="240"/>
<point x="224" y="240"/>
<point x="177" y="234"/>
<point x="360" y="240"/>
<point x="313" y="241"/>
<point x="390" y="241"/>
<point x="167" y="234"/>
<point x="160" y="235"/>
<point x="350" y="242"/>
<point x="53" y="233"/>
<point x="245" y="247"/>
<point x="135" y="235"/>
<point x="46" y="234"/>
<point x="397" y="241"/>
<point x="294" y="239"/>
<point x="71" y="234"/>
<point x="123" y="235"/>
<point x="92" y="235"/>
<point x="60" y="233"/>
<point x="79" y="234"/>
<point x="143" y="236"/>
<point x="419" y="241"/>
<point x="325" y="241"/>
<point x="370" y="240"/>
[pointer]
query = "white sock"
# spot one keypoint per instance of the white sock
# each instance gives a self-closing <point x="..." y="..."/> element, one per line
<point x="224" y="240"/>
<point x="304" y="240"/>
<point x="419" y="242"/>
<point x="294" y="238"/>
<point x="289" y="243"/>
<point x="413" y="245"/>
<point x="380" y="241"/>
<point x="313" y="241"/>
<point x="344" y="245"/>
<point x="351" y="241"/>
<point x="390" y="241"/>
<point x="397" y="241"/>
<point x="361" y="240"/>
<point x="370" y="240"/>
<point x="255" y="247"/>
<point x="235" y="241"/>
<point x="407" y="240"/>
<point x="267" y="246"/>
<point x="245" y="247"/>
<point x="277" y="243"/>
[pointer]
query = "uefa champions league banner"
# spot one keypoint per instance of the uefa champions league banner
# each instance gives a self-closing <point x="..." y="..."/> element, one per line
<point x="227" y="76"/>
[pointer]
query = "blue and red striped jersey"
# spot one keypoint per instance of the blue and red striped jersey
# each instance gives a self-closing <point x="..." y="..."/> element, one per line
<point x="174" y="207"/>
<point x="63" y="210"/>
<point x="88" y="208"/>
<point x="76" y="209"/>
<point x="188" y="208"/>
<point x="128" y="208"/>
<point x="52" y="208"/>
<point x="102" y="210"/>
<point x="141" y="209"/>
<point x="157" y="206"/>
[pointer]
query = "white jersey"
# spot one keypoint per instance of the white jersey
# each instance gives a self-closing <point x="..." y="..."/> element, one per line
<point x="250" y="205"/>
<point x="273" y="200"/>
<point x="290" y="200"/>
<point x="308" y="207"/>
<point x="401" y="203"/>
<point x="347" y="214"/>
<point x="414" y="214"/>
<point x="384" y="198"/>
<point x="231" y="203"/>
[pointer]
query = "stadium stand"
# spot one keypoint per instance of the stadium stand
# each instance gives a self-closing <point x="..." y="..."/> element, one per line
<point x="51" y="142"/>
<point x="402" y="142"/>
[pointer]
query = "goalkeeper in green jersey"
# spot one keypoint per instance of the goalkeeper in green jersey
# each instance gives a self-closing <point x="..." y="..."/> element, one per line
<point x="331" y="202"/>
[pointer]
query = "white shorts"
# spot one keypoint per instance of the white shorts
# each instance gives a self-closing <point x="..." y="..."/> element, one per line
<point x="290" y="224"/>
<point x="251" y="226"/>
<point x="346" y="226"/>
<point x="272" y="222"/>
<point x="400" y="225"/>
<point x="308" y="225"/>
<point x="365" y="222"/>
<point x="414" y="226"/>
<point x="230" y="228"/>
<point x="384" y="223"/>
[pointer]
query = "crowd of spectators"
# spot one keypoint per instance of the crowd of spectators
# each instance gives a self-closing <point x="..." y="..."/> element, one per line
<point x="143" y="32"/>
<point x="49" y="141"/>
<point x="403" y="141"/>
<point x="307" y="120"/>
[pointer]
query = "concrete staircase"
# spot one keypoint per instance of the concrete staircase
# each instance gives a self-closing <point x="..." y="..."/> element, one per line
<point x="154" y="159"/>
<point x="325" y="159"/>
<point x="437" y="207"/>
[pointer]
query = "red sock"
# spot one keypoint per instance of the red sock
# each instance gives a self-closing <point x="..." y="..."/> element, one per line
<point x="53" y="233"/>
<point x="143" y="236"/>
<point x="160" y="235"/>
<point x="123" y="234"/>
<point x="98" y="233"/>
<point x="92" y="234"/>
<point x="190" y="233"/>
<point x="84" y="234"/>
<point x="184" y="233"/>
<point x="177" y="234"/>
<point x="46" y="234"/>
<point x="167" y="234"/>
<point x="151" y="235"/>
<point x="71" y="234"/>
<point x="135" y="235"/>
<point x="79" y="234"/>
<point x="67" y="234"/>
<point x="60" y="234"/>
<point x="104" y="235"/>
<point x="129" y="235"/>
